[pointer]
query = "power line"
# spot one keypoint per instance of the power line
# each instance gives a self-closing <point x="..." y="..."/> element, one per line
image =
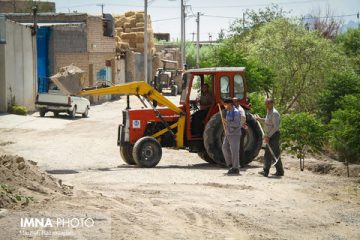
<point x="300" y="18"/>
<point x="207" y="6"/>
<point x="260" y="5"/>
<point x="339" y="16"/>
<point x="166" y="19"/>
<point x="214" y="16"/>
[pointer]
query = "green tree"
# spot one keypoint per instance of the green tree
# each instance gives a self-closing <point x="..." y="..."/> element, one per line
<point x="221" y="35"/>
<point x="257" y="101"/>
<point x="345" y="129"/>
<point x="300" y="60"/>
<point x="302" y="133"/>
<point x="205" y="52"/>
<point x="230" y="54"/>
<point x="339" y="85"/>
<point x="350" y="42"/>
<point x="253" y="19"/>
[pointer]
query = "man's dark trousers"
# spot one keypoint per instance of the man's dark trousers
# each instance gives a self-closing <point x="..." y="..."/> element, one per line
<point x="274" y="143"/>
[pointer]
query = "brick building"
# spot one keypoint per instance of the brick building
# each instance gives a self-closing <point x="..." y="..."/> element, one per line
<point x="79" y="39"/>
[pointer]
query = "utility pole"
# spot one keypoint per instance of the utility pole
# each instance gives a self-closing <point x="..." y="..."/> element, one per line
<point x="198" y="40"/>
<point x="102" y="8"/>
<point x="183" y="57"/>
<point x="14" y="6"/>
<point x="145" y="43"/>
<point x="243" y="21"/>
<point x="193" y="36"/>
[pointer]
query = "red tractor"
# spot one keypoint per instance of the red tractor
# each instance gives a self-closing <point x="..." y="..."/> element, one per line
<point x="145" y="131"/>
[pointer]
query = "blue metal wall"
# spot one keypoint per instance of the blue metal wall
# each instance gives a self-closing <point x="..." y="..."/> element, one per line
<point x="42" y="39"/>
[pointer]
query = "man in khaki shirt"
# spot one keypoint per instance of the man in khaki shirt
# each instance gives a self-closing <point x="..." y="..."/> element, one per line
<point x="272" y="139"/>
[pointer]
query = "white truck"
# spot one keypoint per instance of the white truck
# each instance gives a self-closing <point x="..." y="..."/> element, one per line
<point x="56" y="102"/>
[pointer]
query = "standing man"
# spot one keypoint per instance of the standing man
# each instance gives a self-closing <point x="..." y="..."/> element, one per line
<point x="243" y="131"/>
<point x="231" y="144"/>
<point x="272" y="139"/>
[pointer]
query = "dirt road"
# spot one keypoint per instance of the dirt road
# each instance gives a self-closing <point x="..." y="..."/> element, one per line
<point x="183" y="197"/>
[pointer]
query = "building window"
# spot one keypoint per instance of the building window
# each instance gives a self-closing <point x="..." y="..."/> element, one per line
<point x="2" y="29"/>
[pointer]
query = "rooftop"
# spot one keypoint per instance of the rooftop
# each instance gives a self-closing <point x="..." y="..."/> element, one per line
<point x="216" y="69"/>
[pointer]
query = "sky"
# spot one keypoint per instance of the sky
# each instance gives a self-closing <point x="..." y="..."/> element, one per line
<point x="217" y="14"/>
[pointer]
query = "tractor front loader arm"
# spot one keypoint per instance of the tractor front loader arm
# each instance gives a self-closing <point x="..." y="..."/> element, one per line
<point x="134" y="88"/>
<point x="145" y="90"/>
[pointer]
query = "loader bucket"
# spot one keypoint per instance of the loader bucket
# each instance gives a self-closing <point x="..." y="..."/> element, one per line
<point x="69" y="79"/>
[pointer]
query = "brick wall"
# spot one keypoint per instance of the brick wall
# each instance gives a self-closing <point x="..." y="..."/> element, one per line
<point x="98" y="61"/>
<point x="97" y="42"/>
<point x="69" y="38"/>
<point x="25" y="6"/>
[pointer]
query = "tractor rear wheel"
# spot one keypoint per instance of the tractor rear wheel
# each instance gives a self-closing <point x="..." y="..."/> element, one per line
<point x="147" y="152"/>
<point x="204" y="156"/>
<point x="214" y="135"/>
<point x="126" y="153"/>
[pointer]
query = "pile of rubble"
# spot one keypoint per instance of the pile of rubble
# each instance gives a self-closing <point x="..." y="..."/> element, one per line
<point x="130" y="32"/>
<point x="23" y="182"/>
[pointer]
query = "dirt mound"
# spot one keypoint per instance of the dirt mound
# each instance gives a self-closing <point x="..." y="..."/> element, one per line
<point x="22" y="182"/>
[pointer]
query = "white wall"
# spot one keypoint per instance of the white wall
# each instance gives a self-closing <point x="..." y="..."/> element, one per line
<point x="19" y="64"/>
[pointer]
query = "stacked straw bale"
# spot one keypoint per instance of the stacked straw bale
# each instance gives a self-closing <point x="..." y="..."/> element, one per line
<point x="130" y="32"/>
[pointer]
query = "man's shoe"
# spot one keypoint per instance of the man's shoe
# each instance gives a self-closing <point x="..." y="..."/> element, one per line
<point x="278" y="174"/>
<point x="265" y="174"/>
<point x="233" y="171"/>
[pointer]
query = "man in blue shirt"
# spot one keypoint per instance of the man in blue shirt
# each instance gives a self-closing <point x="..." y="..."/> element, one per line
<point x="231" y="144"/>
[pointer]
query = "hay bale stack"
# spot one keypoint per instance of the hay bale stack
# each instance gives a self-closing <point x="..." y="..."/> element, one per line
<point x="129" y="13"/>
<point x="130" y="30"/>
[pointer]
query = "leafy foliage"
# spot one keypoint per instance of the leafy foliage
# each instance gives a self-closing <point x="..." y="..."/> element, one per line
<point x="204" y="51"/>
<point x="336" y="88"/>
<point x="257" y="101"/>
<point x="350" y="42"/>
<point x="345" y="129"/>
<point x="300" y="60"/>
<point x="17" y="109"/>
<point x="253" y="19"/>
<point x="302" y="133"/>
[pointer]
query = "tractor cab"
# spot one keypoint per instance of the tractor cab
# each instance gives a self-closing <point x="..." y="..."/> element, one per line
<point x="203" y="89"/>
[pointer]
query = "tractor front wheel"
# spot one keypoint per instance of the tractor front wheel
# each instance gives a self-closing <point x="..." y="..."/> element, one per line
<point x="147" y="152"/>
<point x="126" y="153"/>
